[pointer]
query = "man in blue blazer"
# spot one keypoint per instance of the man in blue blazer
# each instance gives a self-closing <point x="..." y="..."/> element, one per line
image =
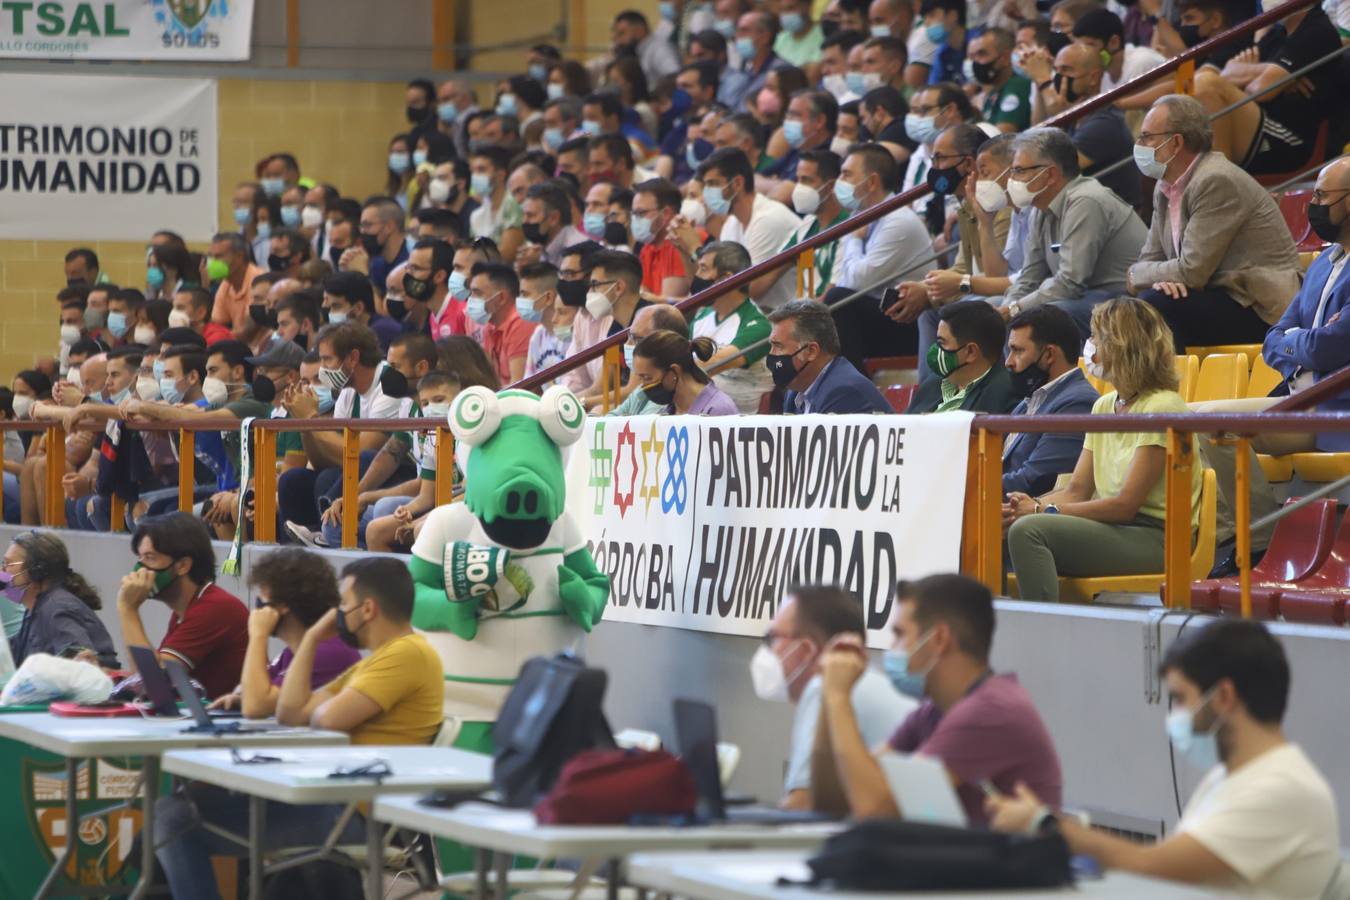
<point x="1043" y="349"/>
<point x="804" y="358"/>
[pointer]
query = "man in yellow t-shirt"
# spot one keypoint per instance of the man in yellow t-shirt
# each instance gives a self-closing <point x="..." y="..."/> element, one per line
<point x="393" y="696"/>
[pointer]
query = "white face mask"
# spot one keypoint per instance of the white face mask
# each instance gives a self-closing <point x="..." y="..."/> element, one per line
<point x="144" y="334"/>
<point x="147" y="388"/>
<point x="767" y="676"/>
<point x="438" y="190"/>
<point x="70" y="334"/>
<point x="311" y="217"/>
<point x="1095" y="369"/>
<point x="215" y="392"/>
<point x="436" y="410"/>
<point x="179" y="319"/>
<point x="805" y="200"/>
<point x="75" y="378"/>
<point x="694" y="211"/>
<point x="23" y="406"/>
<point x="839" y="145"/>
<point x="1022" y="196"/>
<point x="990" y="196"/>
<point x="336" y="379"/>
<point x="598" y="304"/>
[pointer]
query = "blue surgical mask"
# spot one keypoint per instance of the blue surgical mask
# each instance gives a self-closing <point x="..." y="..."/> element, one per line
<point x="881" y="31"/>
<point x="641" y="228"/>
<point x="447" y="112"/>
<point x="158" y="369"/>
<point x="1200" y="750"/>
<point x="290" y="216"/>
<point x="921" y="129"/>
<point x="154" y="277"/>
<point x="525" y="309"/>
<point x="539" y="72"/>
<point x="555" y="91"/>
<point x="264" y="230"/>
<point x="506" y="105"/>
<point x="593" y="223"/>
<point x="794" y="133"/>
<point x="241" y="215"/>
<point x="725" y="27"/>
<point x="1019" y="71"/>
<point x="628" y="356"/>
<point x="590" y="127"/>
<point x="168" y="390"/>
<point x="325" y="396"/>
<point x="419" y="157"/>
<point x="667" y="10"/>
<point x="477" y="310"/>
<point x="398" y="162"/>
<point x="410" y="242"/>
<point x="457" y="286"/>
<point x="117" y="323"/>
<point x="745" y="47"/>
<point x="714" y="198"/>
<point x="117" y="398"/>
<point x="895" y="662"/>
<point x="792" y="22"/>
<point x="480" y="184"/>
<point x="1146" y="158"/>
<point x="274" y="187"/>
<point x="337" y="318"/>
<point x="937" y="33"/>
<point x="844" y="193"/>
<point x="553" y="138"/>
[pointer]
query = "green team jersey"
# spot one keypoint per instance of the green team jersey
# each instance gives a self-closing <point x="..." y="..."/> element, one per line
<point x="743" y="327"/>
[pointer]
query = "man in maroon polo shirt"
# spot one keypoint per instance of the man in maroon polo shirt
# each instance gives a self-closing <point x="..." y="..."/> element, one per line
<point x="493" y="288"/>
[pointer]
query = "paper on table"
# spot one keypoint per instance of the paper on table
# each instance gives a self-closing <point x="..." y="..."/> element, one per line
<point x="768" y="871"/>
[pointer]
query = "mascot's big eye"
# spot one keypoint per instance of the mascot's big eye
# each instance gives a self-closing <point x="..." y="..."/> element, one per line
<point x="475" y="415"/>
<point x="561" y="415"/>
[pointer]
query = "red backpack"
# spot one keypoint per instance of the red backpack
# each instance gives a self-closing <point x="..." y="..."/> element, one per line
<point x="609" y="787"/>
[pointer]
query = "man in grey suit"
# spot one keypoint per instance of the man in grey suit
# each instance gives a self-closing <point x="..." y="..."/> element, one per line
<point x="1219" y="263"/>
<point x="1082" y="238"/>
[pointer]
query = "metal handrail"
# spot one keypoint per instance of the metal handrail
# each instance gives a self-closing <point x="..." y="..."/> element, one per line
<point x="896" y="201"/>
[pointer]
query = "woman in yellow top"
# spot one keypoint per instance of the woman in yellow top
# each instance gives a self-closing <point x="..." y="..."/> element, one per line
<point x="1109" y="520"/>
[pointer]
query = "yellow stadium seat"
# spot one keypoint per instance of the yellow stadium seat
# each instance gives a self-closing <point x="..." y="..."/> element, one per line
<point x="1083" y="590"/>
<point x="1277" y="468"/>
<point x="1251" y="351"/>
<point x="1263" y="379"/>
<point x="1101" y="386"/>
<point x="1321" y="467"/>
<point x="1188" y="373"/>
<point x="1223" y="376"/>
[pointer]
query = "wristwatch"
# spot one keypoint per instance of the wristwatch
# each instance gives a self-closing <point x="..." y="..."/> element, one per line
<point x="1052" y="509"/>
<point x="965" y="284"/>
<point x="1014" y="308"/>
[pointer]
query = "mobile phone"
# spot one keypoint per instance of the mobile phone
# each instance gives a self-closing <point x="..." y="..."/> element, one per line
<point x="889" y="298"/>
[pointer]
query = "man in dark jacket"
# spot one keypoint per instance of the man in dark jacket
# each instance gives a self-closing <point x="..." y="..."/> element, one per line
<point x="804" y="359"/>
<point x="967" y="357"/>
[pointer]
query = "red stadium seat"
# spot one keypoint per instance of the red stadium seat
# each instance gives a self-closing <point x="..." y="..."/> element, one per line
<point x="1319" y="151"/>
<point x="1322" y="596"/>
<point x="900" y="395"/>
<point x="1301" y="542"/>
<point x="1294" y="208"/>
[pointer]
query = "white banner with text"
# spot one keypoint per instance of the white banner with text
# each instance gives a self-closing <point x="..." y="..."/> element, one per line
<point x="153" y="30"/>
<point x="704" y="522"/>
<point x="107" y="157"/>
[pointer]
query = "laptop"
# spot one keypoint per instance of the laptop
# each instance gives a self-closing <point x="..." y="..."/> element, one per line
<point x="922" y="790"/>
<point x="696" y="737"/>
<point x="156" y="684"/>
<point x="178" y="674"/>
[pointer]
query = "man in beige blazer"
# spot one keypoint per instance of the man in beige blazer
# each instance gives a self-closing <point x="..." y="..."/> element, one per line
<point x="1219" y="263"/>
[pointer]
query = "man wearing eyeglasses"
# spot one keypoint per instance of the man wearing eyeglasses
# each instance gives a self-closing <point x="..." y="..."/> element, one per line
<point x="1083" y="237"/>
<point x="1219" y="263"/>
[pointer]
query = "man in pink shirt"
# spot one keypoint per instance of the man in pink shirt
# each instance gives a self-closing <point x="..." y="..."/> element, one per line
<point x="428" y="284"/>
<point x="228" y="264"/>
<point x="492" y="304"/>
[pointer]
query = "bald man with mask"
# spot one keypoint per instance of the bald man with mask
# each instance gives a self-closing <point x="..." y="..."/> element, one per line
<point x="1101" y="137"/>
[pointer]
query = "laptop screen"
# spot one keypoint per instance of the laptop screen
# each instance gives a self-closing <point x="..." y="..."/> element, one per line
<point x="155" y="682"/>
<point x="696" y="736"/>
<point x="178" y="674"/>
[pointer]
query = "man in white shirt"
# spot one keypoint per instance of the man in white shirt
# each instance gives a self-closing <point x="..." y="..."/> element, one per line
<point x="1263" y="820"/>
<point x="892" y="249"/>
<point x="786" y="667"/>
<point x="758" y="224"/>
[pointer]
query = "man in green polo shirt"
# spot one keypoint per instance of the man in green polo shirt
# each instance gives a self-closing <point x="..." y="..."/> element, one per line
<point x="1006" y="101"/>
<point x="967" y="357"/>
<point x="735" y="324"/>
<point x="814" y="200"/>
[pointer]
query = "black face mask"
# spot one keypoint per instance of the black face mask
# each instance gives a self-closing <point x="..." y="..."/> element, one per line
<point x="345" y="633"/>
<point x="301" y="340"/>
<point x="394" y="383"/>
<point x="944" y="181"/>
<point x="1029" y="380"/>
<point x="1319" y="217"/>
<point x="372" y="245"/>
<point x="985" y="73"/>
<point x="573" y="293"/>
<point x="258" y="313"/>
<point x="396" y="307"/>
<point x="781" y="367"/>
<point x="335" y="254"/>
<point x="416" y="288"/>
<point x="616" y="234"/>
<point x="828" y="27"/>
<point x="278" y="263"/>
<point x="264" y="389"/>
<point x="699" y="285"/>
<point x="534" y="233"/>
<point x="1056" y="42"/>
<point x="1065" y="86"/>
<point x="1189" y="34"/>
<point x="659" y="394"/>
<point x="415" y="114"/>
<point x="72" y="282"/>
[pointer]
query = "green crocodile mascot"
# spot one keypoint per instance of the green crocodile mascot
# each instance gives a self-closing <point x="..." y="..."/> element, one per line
<point x="504" y="575"/>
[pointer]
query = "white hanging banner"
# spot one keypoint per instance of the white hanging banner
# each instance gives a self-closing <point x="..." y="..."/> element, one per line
<point x="704" y="522"/>
<point x="154" y="30"/>
<point x="107" y="157"/>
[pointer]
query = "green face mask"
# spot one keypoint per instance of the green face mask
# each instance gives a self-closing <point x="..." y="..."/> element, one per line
<point x="163" y="578"/>
<point x="216" y="269"/>
<point x="942" y="361"/>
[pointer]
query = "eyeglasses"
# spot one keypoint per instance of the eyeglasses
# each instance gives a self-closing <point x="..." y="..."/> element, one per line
<point x="1018" y="171"/>
<point x="1150" y="135"/>
<point x="923" y="110"/>
<point x="1322" y="197"/>
<point x="940" y="156"/>
<point x="599" y="285"/>
<point x="770" y="636"/>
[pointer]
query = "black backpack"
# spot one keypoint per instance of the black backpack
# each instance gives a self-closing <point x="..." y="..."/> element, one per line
<point x="895" y="855"/>
<point x="553" y="713"/>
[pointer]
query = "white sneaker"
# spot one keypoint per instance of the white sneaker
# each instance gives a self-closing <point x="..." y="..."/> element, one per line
<point x="306" y="536"/>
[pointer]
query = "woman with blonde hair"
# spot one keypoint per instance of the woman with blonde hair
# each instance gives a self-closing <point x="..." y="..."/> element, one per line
<point x="665" y="370"/>
<point x="1109" y="520"/>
